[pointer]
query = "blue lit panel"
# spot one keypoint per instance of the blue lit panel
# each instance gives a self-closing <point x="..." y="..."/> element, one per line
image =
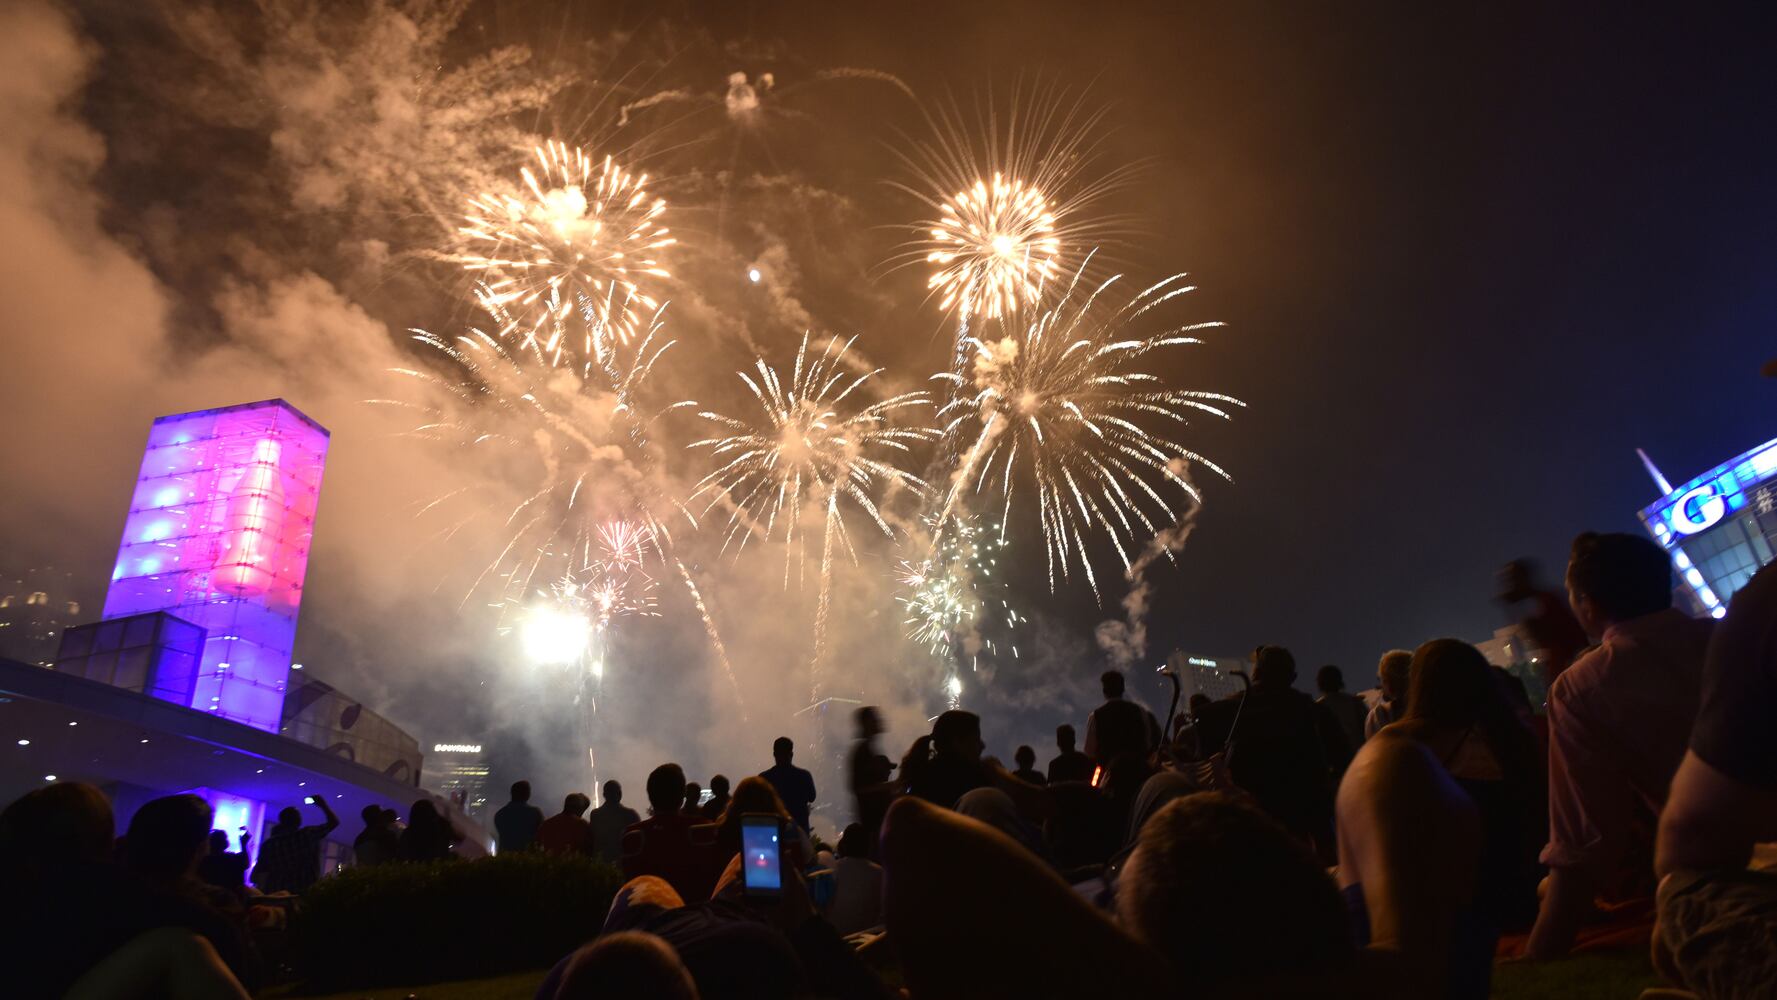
<point x="1720" y="526"/>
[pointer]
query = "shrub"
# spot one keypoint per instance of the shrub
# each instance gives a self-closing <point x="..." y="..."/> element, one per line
<point x="420" y="923"/>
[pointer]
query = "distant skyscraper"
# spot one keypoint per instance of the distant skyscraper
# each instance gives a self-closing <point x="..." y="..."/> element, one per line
<point x="1210" y="675"/>
<point x="459" y="770"/>
<point x="218" y="534"/>
<point x="34" y="608"/>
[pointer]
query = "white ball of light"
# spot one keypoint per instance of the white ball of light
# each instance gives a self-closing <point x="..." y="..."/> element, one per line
<point x="754" y="275"/>
<point x="552" y="635"/>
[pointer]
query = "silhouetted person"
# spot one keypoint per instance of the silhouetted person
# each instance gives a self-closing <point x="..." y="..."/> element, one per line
<point x="1548" y="622"/>
<point x="1619" y="722"/>
<point x="1070" y="764"/>
<point x="378" y="842"/>
<point x="1280" y="749"/>
<point x="1119" y="728"/>
<point x="693" y="798"/>
<point x="429" y="835"/>
<point x="1392" y="672"/>
<point x="667" y="843"/>
<point x="857" y="884"/>
<point x="568" y="832"/>
<point x="609" y="821"/>
<point x="167" y="839"/>
<point x="1197" y="703"/>
<point x="1026" y="759"/>
<point x="517" y="822"/>
<point x="222" y="868"/>
<point x="1347" y="709"/>
<point x="290" y="858"/>
<point x="625" y="964"/>
<point x="1716" y="917"/>
<point x="944" y="766"/>
<point x="870" y="775"/>
<point x="794" y="785"/>
<point x="712" y="810"/>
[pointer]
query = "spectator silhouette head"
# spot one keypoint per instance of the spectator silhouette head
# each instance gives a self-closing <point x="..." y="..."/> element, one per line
<point x="1064" y="738"/>
<point x="957" y="734"/>
<point x="719" y="786"/>
<point x="1615" y="577"/>
<point x="755" y="795"/>
<point x="666" y="790"/>
<point x="867" y="721"/>
<point x="626" y="964"/>
<point x="64" y="823"/>
<point x="1393" y="672"/>
<point x="783" y="749"/>
<point x="1220" y="889"/>
<point x="854" y="842"/>
<point x="1199" y="701"/>
<point x="1329" y="679"/>
<point x="1025" y="758"/>
<point x="1273" y="666"/>
<point x="1111" y="682"/>
<point x="168" y="836"/>
<point x="391" y="817"/>
<point x="218" y="842"/>
<point x="289" y="818"/>
<point x="1455" y="689"/>
<point x="521" y="791"/>
<point x="373" y="815"/>
<point x="576" y="804"/>
<point x="693" y="794"/>
<point x="613" y="793"/>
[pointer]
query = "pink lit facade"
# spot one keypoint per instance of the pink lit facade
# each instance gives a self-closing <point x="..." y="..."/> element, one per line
<point x="218" y="534"/>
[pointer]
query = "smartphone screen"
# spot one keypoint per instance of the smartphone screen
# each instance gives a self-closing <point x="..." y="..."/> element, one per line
<point x="762" y="873"/>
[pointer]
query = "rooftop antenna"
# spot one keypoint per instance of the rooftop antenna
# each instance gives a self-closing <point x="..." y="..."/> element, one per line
<point x="1654" y="471"/>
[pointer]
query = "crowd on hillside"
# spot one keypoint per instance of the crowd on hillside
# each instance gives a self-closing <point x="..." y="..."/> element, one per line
<point x="1269" y="844"/>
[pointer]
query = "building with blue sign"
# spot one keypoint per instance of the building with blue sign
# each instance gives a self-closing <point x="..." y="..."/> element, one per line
<point x="1720" y="527"/>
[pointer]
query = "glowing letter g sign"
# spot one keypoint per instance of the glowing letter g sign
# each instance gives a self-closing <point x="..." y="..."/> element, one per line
<point x="1708" y="509"/>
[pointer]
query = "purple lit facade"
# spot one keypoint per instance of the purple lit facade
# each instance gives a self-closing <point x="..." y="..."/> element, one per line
<point x="218" y="534"/>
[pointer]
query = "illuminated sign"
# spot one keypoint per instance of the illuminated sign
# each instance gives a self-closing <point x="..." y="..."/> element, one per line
<point x="456" y="747"/>
<point x="1698" y="509"/>
<point x="1198" y="661"/>
<point x="218" y="534"/>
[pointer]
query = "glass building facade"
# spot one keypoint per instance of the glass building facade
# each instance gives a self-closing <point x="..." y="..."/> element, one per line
<point x="218" y="534"/>
<point x="1721" y="526"/>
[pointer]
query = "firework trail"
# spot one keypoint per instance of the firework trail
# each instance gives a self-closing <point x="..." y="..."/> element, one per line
<point x="716" y="643"/>
<point x="578" y="238"/>
<point x="1060" y="407"/>
<point x="812" y="447"/>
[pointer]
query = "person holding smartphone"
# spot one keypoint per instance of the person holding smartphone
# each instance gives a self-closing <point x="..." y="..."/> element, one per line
<point x="290" y="858"/>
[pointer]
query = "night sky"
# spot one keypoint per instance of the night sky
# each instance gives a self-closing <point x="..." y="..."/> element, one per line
<point x="1469" y="259"/>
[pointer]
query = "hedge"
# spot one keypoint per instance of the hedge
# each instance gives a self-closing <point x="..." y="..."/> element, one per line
<point x="421" y="923"/>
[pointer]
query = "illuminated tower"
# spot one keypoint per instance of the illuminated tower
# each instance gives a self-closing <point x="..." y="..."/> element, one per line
<point x="218" y="534"/>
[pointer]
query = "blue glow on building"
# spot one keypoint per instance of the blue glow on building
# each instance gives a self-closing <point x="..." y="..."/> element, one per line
<point x="1721" y="526"/>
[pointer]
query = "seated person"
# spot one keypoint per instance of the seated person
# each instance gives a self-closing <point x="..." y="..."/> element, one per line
<point x="1717" y="919"/>
<point x="1215" y="895"/>
<point x="756" y="796"/>
<point x="941" y="767"/>
<point x="736" y="947"/>
<point x="671" y="844"/>
<point x="857" y="884"/>
<point x="1619" y="721"/>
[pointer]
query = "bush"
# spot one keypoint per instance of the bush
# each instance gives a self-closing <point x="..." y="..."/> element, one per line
<point x="421" y="923"/>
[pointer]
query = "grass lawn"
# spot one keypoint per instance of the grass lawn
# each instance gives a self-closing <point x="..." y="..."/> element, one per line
<point x="1615" y="975"/>
<point x="517" y="986"/>
<point x="1608" y="976"/>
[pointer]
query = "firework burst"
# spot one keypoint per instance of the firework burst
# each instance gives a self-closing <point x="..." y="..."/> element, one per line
<point x="1061" y="406"/>
<point x="811" y="446"/>
<point x="578" y="239"/>
<point x="1011" y="197"/>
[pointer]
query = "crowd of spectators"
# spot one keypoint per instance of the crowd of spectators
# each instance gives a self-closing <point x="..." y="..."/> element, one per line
<point x="1268" y="844"/>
